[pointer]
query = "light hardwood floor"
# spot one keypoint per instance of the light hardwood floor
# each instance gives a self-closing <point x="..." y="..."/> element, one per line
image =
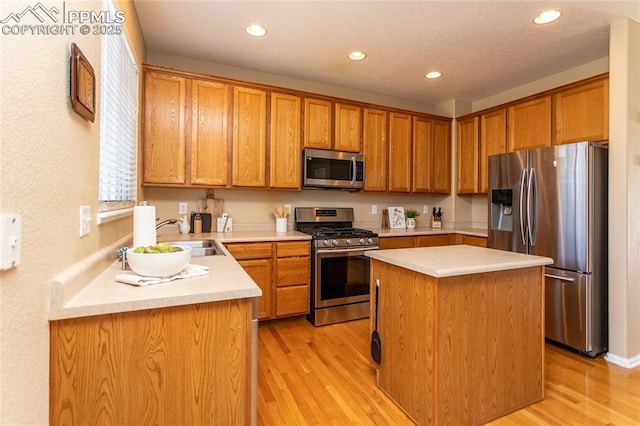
<point x="321" y="376"/>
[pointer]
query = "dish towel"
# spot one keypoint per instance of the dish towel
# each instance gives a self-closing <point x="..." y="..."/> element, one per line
<point x="189" y="271"/>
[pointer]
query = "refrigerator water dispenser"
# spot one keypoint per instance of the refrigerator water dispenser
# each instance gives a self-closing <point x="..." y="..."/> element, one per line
<point x="502" y="210"/>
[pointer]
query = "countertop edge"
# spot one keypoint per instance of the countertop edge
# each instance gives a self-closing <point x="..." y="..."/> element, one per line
<point x="449" y="261"/>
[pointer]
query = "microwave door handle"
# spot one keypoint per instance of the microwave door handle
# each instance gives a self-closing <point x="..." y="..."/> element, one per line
<point x="523" y="181"/>
<point x="353" y="171"/>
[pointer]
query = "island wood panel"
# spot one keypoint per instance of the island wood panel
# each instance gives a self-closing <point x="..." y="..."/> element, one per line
<point x="374" y="146"/>
<point x="210" y="133"/>
<point x="180" y="365"/>
<point x="164" y="128"/>
<point x="460" y="350"/>
<point x="406" y="327"/>
<point x="285" y="169"/>
<point x="249" y="137"/>
<point x="491" y="328"/>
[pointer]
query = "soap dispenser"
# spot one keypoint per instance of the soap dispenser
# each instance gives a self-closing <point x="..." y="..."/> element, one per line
<point x="185" y="228"/>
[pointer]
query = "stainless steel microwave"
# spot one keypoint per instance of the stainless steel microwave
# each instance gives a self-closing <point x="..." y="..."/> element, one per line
<point x="333" y="169"/>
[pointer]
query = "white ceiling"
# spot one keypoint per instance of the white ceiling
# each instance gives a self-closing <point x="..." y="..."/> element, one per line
<point x="481" y="47"/>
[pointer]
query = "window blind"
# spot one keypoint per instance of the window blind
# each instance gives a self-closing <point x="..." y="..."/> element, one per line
<point x="118" y="122"/>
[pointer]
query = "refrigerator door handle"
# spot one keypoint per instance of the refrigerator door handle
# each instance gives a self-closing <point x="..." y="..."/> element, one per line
<point x="532" y="204"/>
<point x="558" y="277"/>
<point x="523" y="181"/>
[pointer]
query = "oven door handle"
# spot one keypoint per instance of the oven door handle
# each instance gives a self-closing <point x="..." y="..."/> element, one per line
<point x="345" y="250"/>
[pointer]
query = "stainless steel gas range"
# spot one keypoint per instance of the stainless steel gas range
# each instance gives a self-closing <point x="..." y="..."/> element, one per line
<point x="339" y="268"/>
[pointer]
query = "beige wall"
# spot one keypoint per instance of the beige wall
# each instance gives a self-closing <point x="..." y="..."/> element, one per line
<point x="624" y="198"/>
<point x="49" y="167"/>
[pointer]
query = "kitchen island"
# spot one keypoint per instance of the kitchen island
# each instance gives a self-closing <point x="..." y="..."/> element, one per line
<point x="462" y="331"/>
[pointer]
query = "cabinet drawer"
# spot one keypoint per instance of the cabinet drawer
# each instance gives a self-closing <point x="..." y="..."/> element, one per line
<point x="250" y="251"/>
<point x="289" y="249"/>
<point x="292" y="300"/>
<point x="397" y="242"/>
<point x="435" y="240"/>
<point x="292" y="271"/>
<point x="472" y="240"/>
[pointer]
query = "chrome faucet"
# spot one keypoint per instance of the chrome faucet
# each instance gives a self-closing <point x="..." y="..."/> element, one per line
<point x="166" y="222"/>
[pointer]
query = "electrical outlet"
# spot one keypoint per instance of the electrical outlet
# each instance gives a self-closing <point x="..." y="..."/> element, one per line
<point x="85" y="220"/>
<point x="287" y="209"/>
<point x="374" y="209"/>
<point x="425" y="208"/>
<point x="182" y="208"/>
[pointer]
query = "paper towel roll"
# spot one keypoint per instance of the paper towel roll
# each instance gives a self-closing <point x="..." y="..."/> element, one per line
<point x="144" y="226"/>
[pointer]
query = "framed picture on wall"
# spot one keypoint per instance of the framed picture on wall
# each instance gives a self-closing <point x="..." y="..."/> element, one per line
<point x="396" y="217"/>
<point x="83" y="85"/>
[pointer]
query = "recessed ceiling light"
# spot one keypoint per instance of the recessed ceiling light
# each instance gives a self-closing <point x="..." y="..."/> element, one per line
<point x="434" y="74"/>
<point x="547" y="16"/>
<point x="256" y="30"/>
<point x="357" y="56"/>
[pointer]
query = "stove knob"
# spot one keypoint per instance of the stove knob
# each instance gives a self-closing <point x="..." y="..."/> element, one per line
<point x="334" y="243"/>
<point x="325" y="243"/>
<point x="348" y="241"/>
<point x="361" y="241"/>
<point x="370" y="240"/>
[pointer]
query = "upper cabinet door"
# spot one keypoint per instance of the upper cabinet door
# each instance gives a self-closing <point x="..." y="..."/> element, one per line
<point x="375" y="150"/>
<point x="530" y="124"/>
<point x="467" y="155"/>
<point x="348" y="129"/>
<point x="493" y="140"/>
<point x="317" y="124"/>
<point x="441" y="158"/>
<point x="422" y="154"/>
<point x="249" y="137"/>
<point x="582" y="113"/>
<point x="164" y="128"/>
<point x="209" y="133"/>
<point x="399" y="152"/>
<point x="285" y="144"/>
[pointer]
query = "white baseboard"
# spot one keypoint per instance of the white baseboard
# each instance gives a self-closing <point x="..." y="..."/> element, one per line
<point x="623" y="362"/>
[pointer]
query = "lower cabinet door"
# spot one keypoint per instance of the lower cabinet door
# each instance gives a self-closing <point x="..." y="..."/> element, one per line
<point x="292" y="300"/>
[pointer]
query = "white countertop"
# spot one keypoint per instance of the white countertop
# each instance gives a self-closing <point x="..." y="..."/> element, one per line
<point x="448" y="261"/>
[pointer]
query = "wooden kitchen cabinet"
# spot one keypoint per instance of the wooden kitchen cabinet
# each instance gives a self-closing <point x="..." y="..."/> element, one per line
<point x="397" y="242"/>
<point x="249" y="137"/>
<point x="493" y="140"/>
<point x="292" y="277"/>
<point x="317" y="124"/>
<point x="431" y="156"/>
<point x="164" y="146"/>
<point x="256" y="260"/>
<point x="281" y="270"/>
<point x="348" y="128"/>
<point x="582" y="112"/>
<point x="374" y="147"/>
<point x="529" y="124"/>
<point x="186" y="364"/>
<point x="400" y="152"/>
<point x="209" y="133"/>
<point x="467" y="155"/>
<point x="435" y="240"/>
<point x="285" y="142"/>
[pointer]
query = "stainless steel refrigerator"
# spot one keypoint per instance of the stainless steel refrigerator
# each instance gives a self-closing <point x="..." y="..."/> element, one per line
<point x="553" y="202"/>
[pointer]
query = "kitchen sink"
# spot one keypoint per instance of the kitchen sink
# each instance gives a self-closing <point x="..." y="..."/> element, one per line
<point x="200" y="248"/>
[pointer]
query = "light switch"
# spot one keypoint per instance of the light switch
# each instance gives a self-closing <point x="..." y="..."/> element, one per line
<point x="10" y="241"/>
<point x="85" y="220"/>
<point x="374" y="209"/>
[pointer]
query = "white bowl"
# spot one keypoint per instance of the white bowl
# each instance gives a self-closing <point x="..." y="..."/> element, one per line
<point x="159" y="264"/>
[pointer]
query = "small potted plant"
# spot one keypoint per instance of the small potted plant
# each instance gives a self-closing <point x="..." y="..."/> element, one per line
<point x="411" y="218"/>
